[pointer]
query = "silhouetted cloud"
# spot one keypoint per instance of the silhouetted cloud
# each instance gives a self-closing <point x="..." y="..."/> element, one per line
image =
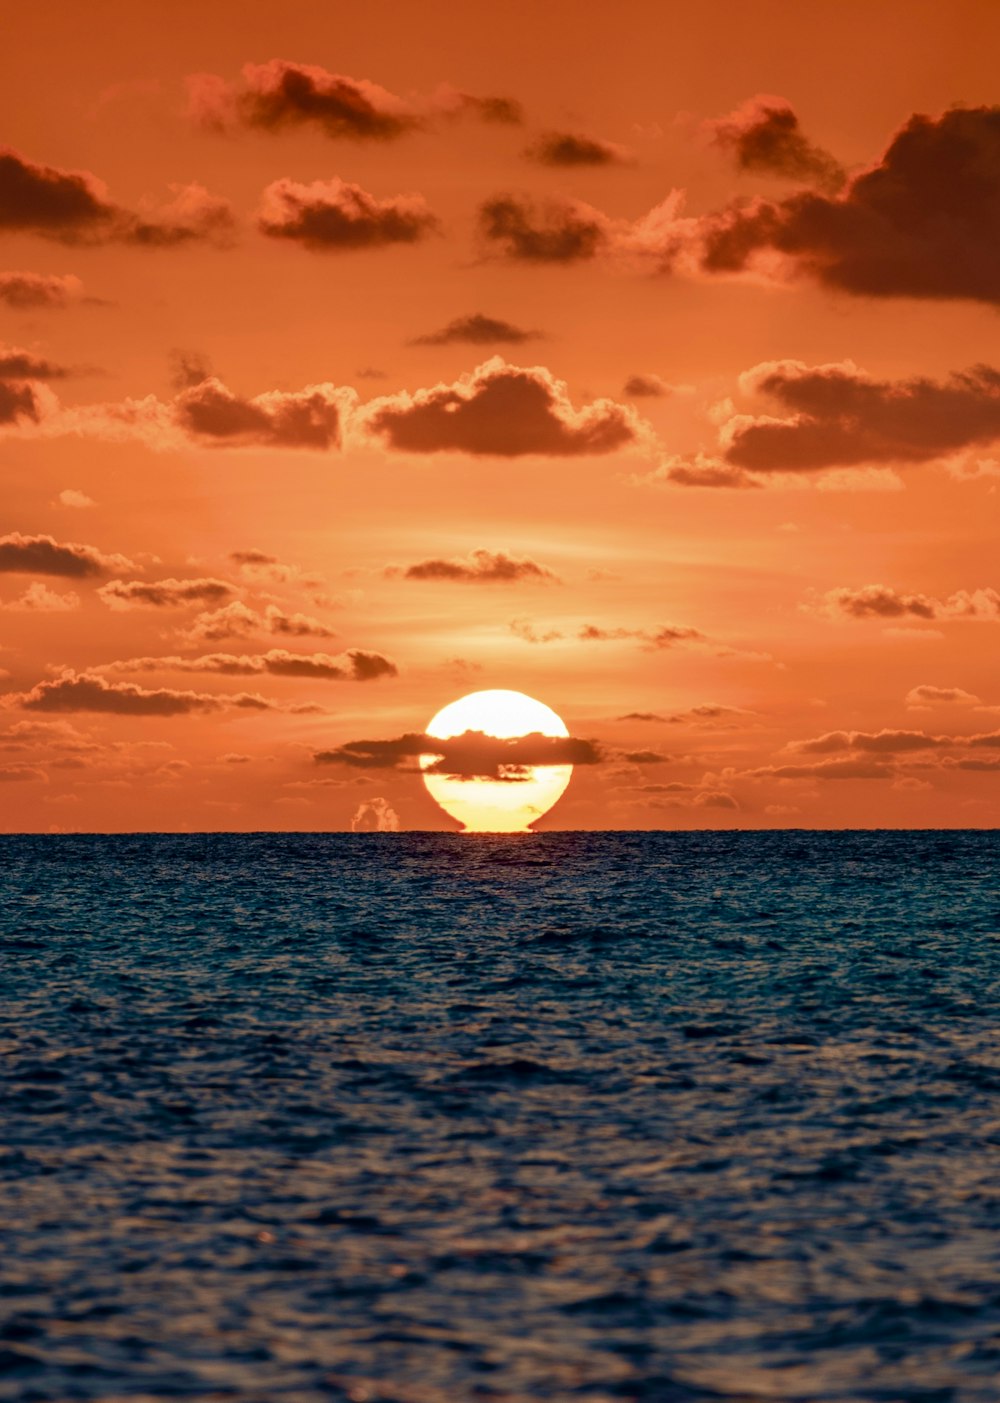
<point x="74" y="692"/>
<point x="73" y="207"/>
<point x="501" y="410"/>
<point x="715" y="799"/>
<point x="12" y="774"/>
<point x="560" y="231"/>
<point x="764" y="135"/>
<point x="18" y="364"/>
<point x="471" y="755"/>
<point x="479" y="566"/>
<point x="885" y="742"/>
<point x="18" y="403"/>
<point x="38" y="291"/>
<point x="476" y="330"/>
<point x="355" y="665"/>
<point x="238" y="620"/>
<point x="924" y="221"/>
<point x="44" y="555"/>
<point x="840" y="415"/>
<point x="162" y="594"/>
<point x="309" y="418"/>
<point x="332" y="215"/>
<point x="279" y="95"/>
<point x="646" y="386"/>
<point x="883" y="602"/>
<point x="826" y="770"/>
<point x="572" y="149"/>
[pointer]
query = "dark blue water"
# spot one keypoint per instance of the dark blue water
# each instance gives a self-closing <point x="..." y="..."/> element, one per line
<point x="428" y="1119"/>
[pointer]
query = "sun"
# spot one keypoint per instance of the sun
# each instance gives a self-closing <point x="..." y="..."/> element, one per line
<point x="495" y="805"/>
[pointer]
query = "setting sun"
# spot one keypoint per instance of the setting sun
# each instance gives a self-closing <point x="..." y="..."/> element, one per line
<point x="525" y="792"/>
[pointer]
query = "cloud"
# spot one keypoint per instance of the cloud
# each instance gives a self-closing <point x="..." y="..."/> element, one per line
<point x="280" y="95"/>
<point x="85" y="691"/>
<point x="18" y="402"/>
<point x="18" y="364"/>
<point x="559" y="231"/>
<point x="162" y="594"/>
<point x="480" y="566"/>
<point x="332" y="215"/>
<point x="826" y="770"/>
<point x="375" y="816"/>
<point x="38" y="598"/>
<point x="476" y="330"/>
<point x="882" y="602"/>
<point x="700" y="471"/>
<point x="885" y="742"/>
<point x="238" y="620"/>
<point x="472" y="755"/>
<point x="571" y="149"/>
<point x="525" y="630"/>
<point x="646" y="387"/>
<point x="664" y="636"/>
<point x="925" y="695"/>
<point x="39" y="291"/>
<point x="309" y="418"/>
<point x="715" y="799"/>
<point x="355" y="665"/>
<point x="838" y="415"/>
<point x="923" y="221"/>
<point x="70" y="497"/>
<point x="504" y="411"/>
<point x="11" y="774"/>
<point x="764" y="135"/>
<point x="44" y="555"/>
<point x="73" y="207"/>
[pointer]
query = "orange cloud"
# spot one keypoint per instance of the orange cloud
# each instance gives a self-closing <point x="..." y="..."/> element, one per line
<point x="74" y="692"/>
<point x="571" y="149"/>
<point x="44" y="555"/>
<point x="332" y="215"/>
<point x="476" y="330"/>
<point x="73" y="207"/>
<point x="501" y="410"/>
<point x="355" y="665"/>
<point x="39" y="291"/>
<point x="480" y="566"/>
<point x="764" y="135"/>
<point x="162" y="594"/>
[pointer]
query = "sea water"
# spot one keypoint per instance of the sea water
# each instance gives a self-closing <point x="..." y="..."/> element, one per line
<point x="419" y="1118"/>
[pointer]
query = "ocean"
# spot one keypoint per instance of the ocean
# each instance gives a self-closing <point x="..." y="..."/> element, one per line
<point x="421" y="1118"/>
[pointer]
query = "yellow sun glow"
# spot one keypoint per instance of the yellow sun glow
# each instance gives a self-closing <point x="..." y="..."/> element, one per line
<point x="491" y="805"/>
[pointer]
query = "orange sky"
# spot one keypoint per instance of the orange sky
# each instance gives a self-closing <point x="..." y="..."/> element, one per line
<point x="734" y="520"/>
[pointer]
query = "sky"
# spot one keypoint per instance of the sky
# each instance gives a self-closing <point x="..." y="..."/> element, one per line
<point x="643" y="360"/>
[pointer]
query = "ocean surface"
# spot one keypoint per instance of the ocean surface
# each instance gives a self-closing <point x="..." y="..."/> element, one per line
<point x="414" y="1118"/>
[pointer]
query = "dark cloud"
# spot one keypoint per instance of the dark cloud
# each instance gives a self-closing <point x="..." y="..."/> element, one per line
<point x="17" y="364"/>
<point x="44" y="555"/>
<point x="279" y="95"/>
<point x="480" y="566"/>
<point x="646" y="387"/>
<point x="472" y="755"/>
<point x="665" y="636"/>
<point x="163" y="594"/>
<point x="355" y="665"/>
<point x="38" y="291"/>
<point x="73" y="208"/>
<point x="12" y="774"/>
<point x="477" y="330"/>
<point x="882" y="602"/>
<point x="702" y="471"/>
<point x="924" y="221"/>
<point x="504" y="411"/>
<point x="332" y="215"/>
<point x="252" y="557"/>
<point x="309" y="418"/>
<point x="764" y="135"/>
<point x="565" y="231"/>
<point x="88" y="692"/>
<point x="571" y="149"/>
<point x="841" y="416"/>
<point x="641" y="716"/>
<point x="645" y="757"/>
<point x="18" y="402"/>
